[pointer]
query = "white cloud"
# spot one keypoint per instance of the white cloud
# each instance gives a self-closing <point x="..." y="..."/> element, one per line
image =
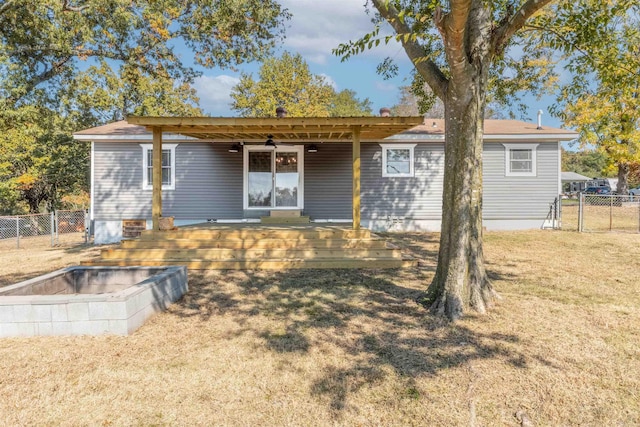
<point x="330" y="81"/>
<point x="317" y="27"/>
<point x="214" y="93"/>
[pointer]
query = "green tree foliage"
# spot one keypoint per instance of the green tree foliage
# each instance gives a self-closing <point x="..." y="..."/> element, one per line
<point x="43" y="39"/>
<point x="591" y="163"/>
<point x="101" y="94"/>
<point x="288" y="82"/>
<point x="346" y="104"/>
<point x="71" y="64"/>
<point x="601" y="42"/>
<point x="416" y="101"/>
<point x="38" y="159"/>
<point x="460" y="48"/>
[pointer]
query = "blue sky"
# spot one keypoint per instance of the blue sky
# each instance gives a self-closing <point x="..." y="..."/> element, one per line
<point x="317" y="27"/>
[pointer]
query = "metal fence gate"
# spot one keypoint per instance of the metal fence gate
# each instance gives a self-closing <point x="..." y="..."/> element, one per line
<point x="608" y="213"/>
<point x="59" y="227"/>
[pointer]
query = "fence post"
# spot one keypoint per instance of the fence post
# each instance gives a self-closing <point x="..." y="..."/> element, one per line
<point x="57" y="226"/>
<point x="560" y="211"/>
<point x="52" y="229"/>
<point x="87" y="225"/>
<point x="18" y="231"/>
<point x="610" y="212"/>
<point x="580" y="211"/>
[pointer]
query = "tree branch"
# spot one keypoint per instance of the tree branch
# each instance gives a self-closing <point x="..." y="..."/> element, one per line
<point x="454" y="26"/>
<point x="583" y="52"/>
<point x="426" y="67"/>
<point x="6" y="6"/>
<point x="40" y="78"/>
<point x="509" y="27"/>
<point x="66" y="7"/>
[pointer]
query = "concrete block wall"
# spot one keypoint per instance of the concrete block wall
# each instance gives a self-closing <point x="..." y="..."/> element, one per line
<point x="119" y="313"/>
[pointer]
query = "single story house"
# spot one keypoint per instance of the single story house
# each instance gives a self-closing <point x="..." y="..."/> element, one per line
<point x="381" y="173"/>
<point x="573" y="182"/>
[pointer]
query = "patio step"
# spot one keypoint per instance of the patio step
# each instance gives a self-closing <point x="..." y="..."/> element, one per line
<point x="255" y="233"/>
<point x="281" y="264"/>
<point x="268" y="243"/>
<point x="256" y="247"/>
<point x="249" y="254"/>
<point x="285" y="220"/>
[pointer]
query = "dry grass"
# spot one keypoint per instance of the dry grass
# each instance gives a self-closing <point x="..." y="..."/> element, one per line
<point x="342" y="347"/>
<point x="36" y="256"/>
<point x="621" y="218"/>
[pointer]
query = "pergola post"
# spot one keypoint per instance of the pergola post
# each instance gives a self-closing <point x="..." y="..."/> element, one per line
<point x="356" y="177"/>
<point x="156" y="201"/>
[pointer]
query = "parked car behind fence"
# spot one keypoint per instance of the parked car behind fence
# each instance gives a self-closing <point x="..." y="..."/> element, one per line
<point x="597" y="190"/>
<point x="634" y="191"/>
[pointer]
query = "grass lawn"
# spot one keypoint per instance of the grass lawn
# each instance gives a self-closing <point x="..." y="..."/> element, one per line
<point x="351" y="347"/>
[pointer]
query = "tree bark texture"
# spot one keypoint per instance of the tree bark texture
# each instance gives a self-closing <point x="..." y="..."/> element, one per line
<point x="623" y="178"/>
<point x="472" y="40"/>
<point x="461" y="281"/>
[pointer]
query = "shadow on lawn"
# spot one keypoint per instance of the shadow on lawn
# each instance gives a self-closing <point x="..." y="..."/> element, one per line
<point x="367" y="314"/>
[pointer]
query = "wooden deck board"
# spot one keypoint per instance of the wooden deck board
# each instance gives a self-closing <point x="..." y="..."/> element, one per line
<point x="257" y="246"/>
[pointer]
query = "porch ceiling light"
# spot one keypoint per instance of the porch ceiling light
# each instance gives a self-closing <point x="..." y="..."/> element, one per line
<point x="313" y="148"/>
<point x="235" y="148"/>
<point x="269" y="142"/>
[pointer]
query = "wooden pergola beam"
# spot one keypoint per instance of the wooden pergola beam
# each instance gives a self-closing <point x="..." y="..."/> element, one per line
<point x="403" y="122"/>
<point x="156" y="199"/>
<point x="288" y="129"/>
<point x="356" y="177"/>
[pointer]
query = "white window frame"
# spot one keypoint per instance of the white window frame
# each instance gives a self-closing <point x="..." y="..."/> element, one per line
<point x="146" y="185"/>
<point x="507" y="159"/>
<point x="410" y="147"/>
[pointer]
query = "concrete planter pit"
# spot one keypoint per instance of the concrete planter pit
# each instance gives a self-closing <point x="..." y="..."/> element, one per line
<point x="89" y="300"/>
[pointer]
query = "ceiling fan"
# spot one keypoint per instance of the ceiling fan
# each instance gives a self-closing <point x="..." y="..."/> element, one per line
<point x="271" y="143"/>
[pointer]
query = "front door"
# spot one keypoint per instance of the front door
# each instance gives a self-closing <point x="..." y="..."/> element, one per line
<point x="273" y="177"/>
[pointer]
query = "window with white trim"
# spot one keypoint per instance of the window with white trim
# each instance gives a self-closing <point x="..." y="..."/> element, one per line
<point x="397" y="160"/>
<point x="168" y="166"/>
<point x="520" y="159"/>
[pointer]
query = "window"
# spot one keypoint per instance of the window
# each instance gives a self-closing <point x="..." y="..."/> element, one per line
<point x="168" y="166"/>
<point x="520" y="159"/>
<point x="397" y="160"/>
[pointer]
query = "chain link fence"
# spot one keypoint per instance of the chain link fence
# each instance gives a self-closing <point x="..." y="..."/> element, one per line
<point x="50" y="229"/>
<point x="599" y="213"/>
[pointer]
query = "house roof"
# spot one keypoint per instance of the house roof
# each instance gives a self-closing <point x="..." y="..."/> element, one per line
<point x="324" y="129"/>
<point x="116" y="128"/>
<point x="574" y="177"/>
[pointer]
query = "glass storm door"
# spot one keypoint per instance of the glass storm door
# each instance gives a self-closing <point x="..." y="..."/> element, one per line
<point x="273" y="178"/>
<point x="260" y="178"/>
<point x="286" y="179"/>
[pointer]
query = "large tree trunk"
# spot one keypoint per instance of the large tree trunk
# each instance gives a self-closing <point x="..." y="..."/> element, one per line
<point x="623" y="178"/>
<point x="461" y="281"/>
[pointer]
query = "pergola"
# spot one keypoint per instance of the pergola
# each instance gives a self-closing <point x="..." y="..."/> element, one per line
<point x="281" y="129"/>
